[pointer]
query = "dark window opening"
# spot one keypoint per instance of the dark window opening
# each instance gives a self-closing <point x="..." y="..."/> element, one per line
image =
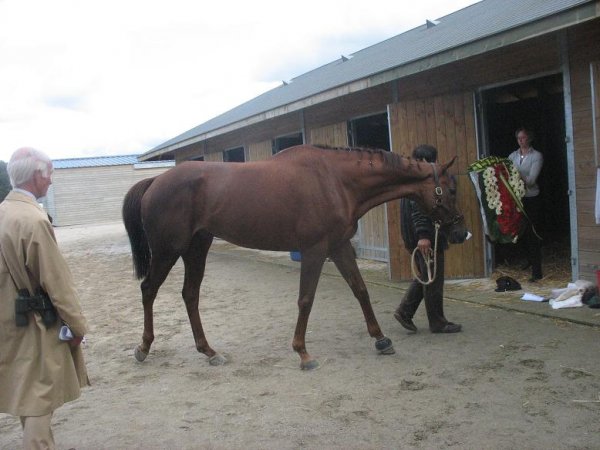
<point x="283" y="142"/>
<point x="370" y="132"/>
<point x="234" y="155"/>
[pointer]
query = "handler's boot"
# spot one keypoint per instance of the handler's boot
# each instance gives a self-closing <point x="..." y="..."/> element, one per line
<point x="405" y="321"/>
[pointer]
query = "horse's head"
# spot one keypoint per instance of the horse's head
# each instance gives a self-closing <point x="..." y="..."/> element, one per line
<point x="438" y="197"/>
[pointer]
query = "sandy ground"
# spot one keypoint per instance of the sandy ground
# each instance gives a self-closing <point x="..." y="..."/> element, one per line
<point x="509" y="381"/>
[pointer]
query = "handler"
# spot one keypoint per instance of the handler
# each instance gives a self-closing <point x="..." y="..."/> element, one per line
<point x="38" y="371"/>
<point x="418" y="231"/>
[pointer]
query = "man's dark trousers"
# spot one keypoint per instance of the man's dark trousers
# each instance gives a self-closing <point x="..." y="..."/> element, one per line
<point x="432" y="293"/>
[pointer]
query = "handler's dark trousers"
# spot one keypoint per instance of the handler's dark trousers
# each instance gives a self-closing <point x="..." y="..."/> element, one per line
<point x="432" y="293"/>
<point x="531" y="243"/>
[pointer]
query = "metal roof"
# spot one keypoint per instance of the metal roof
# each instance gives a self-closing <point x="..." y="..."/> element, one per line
<point x="98" y="161"/>
<point x="469" y="25"/>
<point x="105" y="161"/>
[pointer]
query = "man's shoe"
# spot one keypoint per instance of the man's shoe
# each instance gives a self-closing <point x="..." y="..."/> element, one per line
<point x="449" y="328"/>
<point x="405" y="321"/>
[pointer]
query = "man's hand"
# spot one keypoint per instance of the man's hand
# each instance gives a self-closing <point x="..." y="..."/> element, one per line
<point x="424" y="246"/>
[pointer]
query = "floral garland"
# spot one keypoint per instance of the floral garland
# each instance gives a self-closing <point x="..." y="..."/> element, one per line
<point x="502" y="208"/>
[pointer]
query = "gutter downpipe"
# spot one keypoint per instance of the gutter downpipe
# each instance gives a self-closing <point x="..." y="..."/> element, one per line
<point x="572" y="192"/>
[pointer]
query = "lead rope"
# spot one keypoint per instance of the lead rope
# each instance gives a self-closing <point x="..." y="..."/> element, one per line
<point x="430" y="276"/>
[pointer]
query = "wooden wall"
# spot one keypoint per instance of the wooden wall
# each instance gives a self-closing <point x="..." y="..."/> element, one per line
<point x="92" y="194"/>
<point x="521" y="60"/>
<point x="448" y="123"/>
<point x="584" y="54"/>
<point x="335" y="135"/>
<point x="215" y="157"/>
<point x="259" y="151"/>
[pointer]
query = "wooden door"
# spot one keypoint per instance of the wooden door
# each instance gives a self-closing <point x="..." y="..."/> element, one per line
<point x="448" y="123"/>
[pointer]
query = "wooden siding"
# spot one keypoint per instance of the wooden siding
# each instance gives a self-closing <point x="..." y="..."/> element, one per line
<point x="348" y="107"/>
<point x="498" y="66"/>
<point x="92" y="194"/>
<point x="448" y="123"/>
<point x="259" y="151"/>
<point x="335" y="135"/>
<point x="215" y="157"/>
<point x="584" y="54"/>
<point x="372" y="237"/>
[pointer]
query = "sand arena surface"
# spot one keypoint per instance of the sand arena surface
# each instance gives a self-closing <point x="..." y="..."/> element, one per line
<point x="510" y="380"/>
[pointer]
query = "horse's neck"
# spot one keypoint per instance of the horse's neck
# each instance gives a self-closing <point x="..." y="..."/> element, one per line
<point x="381" y="182"/>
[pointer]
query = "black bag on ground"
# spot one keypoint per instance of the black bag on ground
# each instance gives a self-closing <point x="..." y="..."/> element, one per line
<point x="505" y="283"/>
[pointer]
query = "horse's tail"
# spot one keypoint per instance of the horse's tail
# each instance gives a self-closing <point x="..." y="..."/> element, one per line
<point x="132" y="218"/>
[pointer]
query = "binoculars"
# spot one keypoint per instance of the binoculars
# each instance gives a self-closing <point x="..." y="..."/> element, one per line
<point x="40" y="303"/>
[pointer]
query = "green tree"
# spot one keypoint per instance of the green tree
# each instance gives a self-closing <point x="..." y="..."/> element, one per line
<point x="5" y="186"/>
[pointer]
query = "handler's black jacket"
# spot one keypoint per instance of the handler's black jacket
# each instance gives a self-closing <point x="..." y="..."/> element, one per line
<point x="415" y="225"/>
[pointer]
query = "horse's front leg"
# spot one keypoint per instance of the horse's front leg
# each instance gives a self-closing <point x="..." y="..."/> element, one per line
<point x="310" y="271"/>
<point x="344" y="258"/>
<point x="195" y="263"/>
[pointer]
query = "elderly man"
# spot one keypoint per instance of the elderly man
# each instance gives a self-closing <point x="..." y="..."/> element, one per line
<point x="39" y="371"/>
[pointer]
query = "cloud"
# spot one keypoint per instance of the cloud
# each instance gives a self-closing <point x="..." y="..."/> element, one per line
<point x="119" y="77"/>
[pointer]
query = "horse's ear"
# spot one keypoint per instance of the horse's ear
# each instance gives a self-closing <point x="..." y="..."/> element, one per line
<point x="447" y="165"/>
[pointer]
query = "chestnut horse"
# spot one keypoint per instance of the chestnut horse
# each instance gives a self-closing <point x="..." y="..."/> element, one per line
<point x="306" y="199"/>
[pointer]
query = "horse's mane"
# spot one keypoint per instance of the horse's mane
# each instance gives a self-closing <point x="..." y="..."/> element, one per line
<point x="389" y="158"/>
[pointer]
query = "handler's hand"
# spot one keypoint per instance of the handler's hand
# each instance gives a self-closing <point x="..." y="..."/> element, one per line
<point x="74" y="343"/>
<point x="424" y="246"/>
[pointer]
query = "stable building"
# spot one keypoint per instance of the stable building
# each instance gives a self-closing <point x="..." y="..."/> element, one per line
<point x="463" y="83"/>
<point x="91" y="190"/>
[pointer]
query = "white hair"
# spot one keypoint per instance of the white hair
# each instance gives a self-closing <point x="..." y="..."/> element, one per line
<point x="23" y="164"/>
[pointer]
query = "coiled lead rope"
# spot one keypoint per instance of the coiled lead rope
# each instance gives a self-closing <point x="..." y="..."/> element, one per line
<point x="428" y="260"/>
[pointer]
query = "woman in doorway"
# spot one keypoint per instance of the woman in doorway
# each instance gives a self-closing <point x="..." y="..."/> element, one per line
<point x="529" y="162"/>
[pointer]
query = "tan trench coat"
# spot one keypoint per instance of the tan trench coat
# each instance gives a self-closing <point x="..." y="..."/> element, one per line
<point x="38" y="372"/>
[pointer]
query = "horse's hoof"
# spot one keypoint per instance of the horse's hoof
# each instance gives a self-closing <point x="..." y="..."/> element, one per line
<point x="384" y="346"/>
<point x="309" y="365"/>
<point x="139" y="354"/>
<point x="217" y="360"/>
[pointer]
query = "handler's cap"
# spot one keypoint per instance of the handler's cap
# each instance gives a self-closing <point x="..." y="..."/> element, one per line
<point x="507" y="284"/>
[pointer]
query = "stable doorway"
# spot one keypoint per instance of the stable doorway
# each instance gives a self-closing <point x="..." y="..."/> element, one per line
<point x="538" y="105"/>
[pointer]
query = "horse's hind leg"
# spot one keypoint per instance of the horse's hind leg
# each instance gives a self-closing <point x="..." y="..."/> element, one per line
<point x="160" y="266"/>
<point x="195" y="263"/>
<point x="345" y="260"/>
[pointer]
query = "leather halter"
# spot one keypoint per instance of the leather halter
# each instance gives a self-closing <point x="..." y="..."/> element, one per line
<point x="438" y="189"/>
<point x="438" y="193"/>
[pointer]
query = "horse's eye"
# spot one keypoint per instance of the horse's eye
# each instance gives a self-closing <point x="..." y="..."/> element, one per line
<point x="453" y="191"/>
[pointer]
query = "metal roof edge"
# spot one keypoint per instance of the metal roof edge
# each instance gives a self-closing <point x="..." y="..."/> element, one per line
<point x="94" y="161"/>
<point x="153" y="164"/>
